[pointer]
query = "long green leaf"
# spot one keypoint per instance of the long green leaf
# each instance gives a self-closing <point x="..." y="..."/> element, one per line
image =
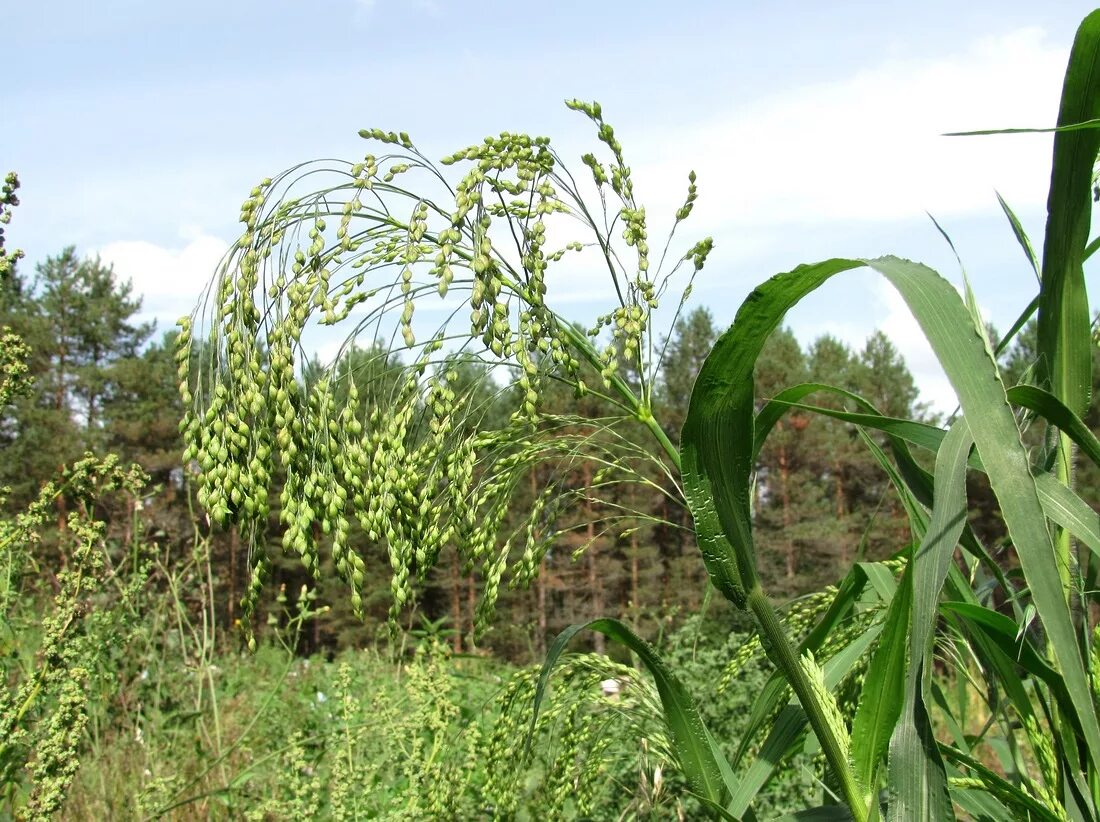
<point x="695" y="749"/>
<point x="883" y="691"/>
<point x="1060" y="504"/>
<point x="1064" y="327"/>
<point x="717" y="438"/>
<point x="1087" y="125"/>
<point x="1021" y="321"/>
<point x="1069" y="511"/>
<point x="1021" y="235"/>
<point x="916" y="772"/>
<point x="973" y="374"/>
<point x="824" y="813"/>
<point x="1055" y="412"/>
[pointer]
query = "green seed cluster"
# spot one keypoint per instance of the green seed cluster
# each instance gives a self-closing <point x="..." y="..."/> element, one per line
<point x="798" y="620"/>
<point x="8" y="201"/>
<point x="273" y="451"/>
<point x="825" y="698"/>
<point x="582" y="722"/>
<point x="44" y="708"/>
<point x="15" y="377"/>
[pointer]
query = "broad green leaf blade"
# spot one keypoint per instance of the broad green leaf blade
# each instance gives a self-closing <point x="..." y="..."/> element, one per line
<point x="1021" y="235"/>
<point x="883" y="692"/>
<point x="717" y="438"/>
<point x="1064" y="327"/>
<point x="918" y="795"/>
<point x="979" y="805"/>
<point x="917" y="777"/>
<point x="973" y="374"/>
<point x="1055" y="412"/>
<point x="881" y="579"/>
<point x="698" y="755"/>
<point x="932" y="560"/>
<point x="1069" y="511"/>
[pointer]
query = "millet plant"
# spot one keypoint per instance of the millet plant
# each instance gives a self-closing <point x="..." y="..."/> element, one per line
<point x="877" y="673"/>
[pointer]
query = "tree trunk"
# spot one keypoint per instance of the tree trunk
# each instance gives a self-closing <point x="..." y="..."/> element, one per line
<point x="785" y="500"/>
<point x="838" y="489"/>
<point x="471" y="605"/>
<point x="594" y="582"/>
<point x="456" y="607"/>
<point x="234" y="547"/>
<point x="540" y="594"/>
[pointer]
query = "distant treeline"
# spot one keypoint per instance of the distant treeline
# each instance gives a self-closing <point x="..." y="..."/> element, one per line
<point x="104" y="382"/>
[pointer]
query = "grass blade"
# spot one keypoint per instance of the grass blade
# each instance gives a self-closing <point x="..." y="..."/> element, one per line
<point x="1069" y="511"/>
<point x="972" y="372"/>
<point x="1055" y="412"/>
<point x="1064" y="327"/>
<point x="1087" y="125"/>
<point x="695" y="748"/>
<point x="717" y="439"/>
<point x="1021" y="235"/>
<point x="1021" y="321"/>
<point x="883" y="692"/>
<point x="916" y="770"/>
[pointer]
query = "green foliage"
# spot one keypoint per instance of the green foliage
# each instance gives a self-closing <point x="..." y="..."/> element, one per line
<point x="77" y="322"/>
<point x="423" y="472"/>
<point x="52" y="659"/>
<point x="885" y="658"/>
<point x="952" y="671"/>
<point x="718" y="441"/>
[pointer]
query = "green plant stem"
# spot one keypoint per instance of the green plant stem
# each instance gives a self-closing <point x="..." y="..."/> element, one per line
<point x="646" y="417"/>
<point x="783" y="654"/>
<point x="779" y="646"/>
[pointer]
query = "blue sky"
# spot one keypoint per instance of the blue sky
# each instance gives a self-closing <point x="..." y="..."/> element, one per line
<point x="137" y="128"/>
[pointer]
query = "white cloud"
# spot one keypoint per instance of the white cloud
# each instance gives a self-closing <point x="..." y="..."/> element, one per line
<point x="170" y="279"/>
<point x="869" y="147"/>
<point x="886" y="311"/>
<point x="903" y="330"/>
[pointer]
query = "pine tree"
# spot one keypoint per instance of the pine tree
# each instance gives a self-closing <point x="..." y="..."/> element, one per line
<point x="684" y="581"/>
<point x="686" y="348"/>
<point x="79" y="323"/>
<point x="881" y="376"/>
